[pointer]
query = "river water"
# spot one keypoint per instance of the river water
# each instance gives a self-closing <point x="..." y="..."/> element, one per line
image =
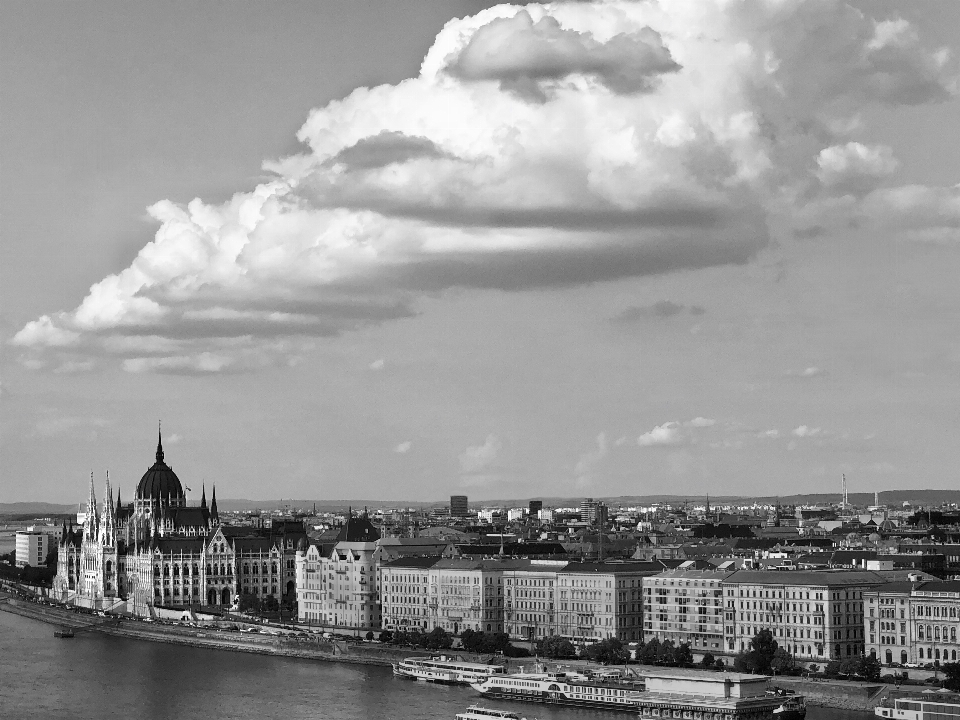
<point x="97" y="676"/>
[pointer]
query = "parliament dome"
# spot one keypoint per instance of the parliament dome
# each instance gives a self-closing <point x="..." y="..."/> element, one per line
<point x="160" y="481"/>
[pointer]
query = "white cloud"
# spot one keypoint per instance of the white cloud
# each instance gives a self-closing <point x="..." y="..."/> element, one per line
<point x="376" y="364"/>
<point x="403" y="447"/>
<point x="667" y="434"/>
<point x="588" y="461"/>
<point x="700" y="422"/>
<point x="477" y="458"/>
<point x="805" y="431"/>
<point x="547" y="145"/>
<point x="771" y="434"/>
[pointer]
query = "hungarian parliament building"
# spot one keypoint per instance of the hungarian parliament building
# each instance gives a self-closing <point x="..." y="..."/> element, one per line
<point x="160" y="551"/>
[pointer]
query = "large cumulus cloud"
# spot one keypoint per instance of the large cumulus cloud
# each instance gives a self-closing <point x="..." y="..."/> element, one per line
<point x="540" y="146"/>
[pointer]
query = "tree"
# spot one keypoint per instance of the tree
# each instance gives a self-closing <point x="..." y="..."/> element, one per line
<point x="832" y="669"/>
<point x="556" y="648"/>
<point x="869" y="667"/>
<point x="951" y="673"/>
<point x="783" y="662"/>
<point x="647" y="655"/>
<point x="683" y="657"/>
<point x="386" y="636"/>
<point x="437" y="639"/>
<point x="249" y="602"/>
<point x="606" y="652"/>
<point x="759" y="658"/>
<point x="667" y="654"/>
<point x="708" y="661"/>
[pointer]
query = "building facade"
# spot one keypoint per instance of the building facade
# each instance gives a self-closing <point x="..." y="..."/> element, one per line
<point x="32" y="548"/>
<point x="913" y="622"/>
<point x="159" y="551"/>
<point x="339" y="588"/>
<point x="686" y="606"/>
<point x="598" y="600"/>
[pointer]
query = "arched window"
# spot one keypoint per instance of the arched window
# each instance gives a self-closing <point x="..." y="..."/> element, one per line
<point x="264" y="568"/>
<point x="166" y="570"/>
<point x="196" y="570"/>
<point x="256" y="569"/>
<point x="936" y="632"/>
<point x="209" y="572"/>
<point x="176" y="570"/>
<point x="109" y="565"/>
<point x="246" y="569"/>
<point x="273" y="568"/>
<point x="953" y="634"/>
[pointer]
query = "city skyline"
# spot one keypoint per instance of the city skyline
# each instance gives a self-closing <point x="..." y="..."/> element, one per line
<point x="584" y="249"/>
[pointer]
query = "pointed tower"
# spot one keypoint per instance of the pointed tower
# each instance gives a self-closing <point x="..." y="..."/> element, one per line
<point x="119" y="505"/>
<point x="159" y="443"/>
<point x="203" y="497"/>
<point x="214" y="515"/>
<point x="108" y="525"/>
<point x="91" y="525"/>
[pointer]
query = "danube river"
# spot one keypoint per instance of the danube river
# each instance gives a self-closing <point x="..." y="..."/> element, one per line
<point x="96" y="676"/>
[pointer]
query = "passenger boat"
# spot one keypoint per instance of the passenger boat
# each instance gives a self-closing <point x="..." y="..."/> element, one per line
<point x="919" y="709"/>
<point x="446" y="670"/>
<point x="64" y="632"/>
<point x="794" y="708"/>
<point x="660" y="693"/>
<point x="475" y="712"/>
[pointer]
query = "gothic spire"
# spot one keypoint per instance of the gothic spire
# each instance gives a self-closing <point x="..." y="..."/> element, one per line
<point x="203" y="496"/>
<point x="213" y="505"/>
<point x="159" y="443"/>
<point x="118" y="501"/>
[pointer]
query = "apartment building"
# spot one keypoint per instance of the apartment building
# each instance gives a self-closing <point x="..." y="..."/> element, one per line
<point x="339" y="588"/>
<point x="686" y="606"/>
<point x="599" y="600"/>
<point x="817" y="616"/>
<point x="913" y="622"/>
<point x="530" y="587"/>
<point x="450" y="593"/>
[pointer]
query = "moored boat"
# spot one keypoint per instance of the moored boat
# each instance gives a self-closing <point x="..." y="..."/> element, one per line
<point x="475" y="712"/>
<point x="793" y="708"/>
<point x="661" y="693"/>
<point x="446" y="670"/>
<point x="919" y="709"/>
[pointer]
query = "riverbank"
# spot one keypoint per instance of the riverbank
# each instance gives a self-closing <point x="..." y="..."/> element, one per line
<point x="842" y="695"/>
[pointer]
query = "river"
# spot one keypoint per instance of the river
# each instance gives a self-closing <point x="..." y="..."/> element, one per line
<point x="96" y="676"/>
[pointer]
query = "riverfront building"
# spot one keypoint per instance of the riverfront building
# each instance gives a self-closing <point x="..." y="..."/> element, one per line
<point x="816" y="615"/>
<point x="339" y="588"/>
<point x="686" y="606"/>
<point x="160" y="551"/>
<point x="598" y="600"/>
<point x="913" y="622"/>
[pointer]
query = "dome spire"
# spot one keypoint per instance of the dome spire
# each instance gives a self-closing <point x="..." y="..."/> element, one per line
<point x="159" y="442"/>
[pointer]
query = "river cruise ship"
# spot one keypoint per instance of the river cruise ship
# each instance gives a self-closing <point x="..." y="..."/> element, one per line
<point x="446" y="670"/>
<point x="919" y="709"/>
<point x="661" y="693"/>
<point x="475" y="712"/>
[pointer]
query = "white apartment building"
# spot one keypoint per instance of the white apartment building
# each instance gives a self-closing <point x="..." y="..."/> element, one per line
<point x="686" y="606"/>
<point x="816" y="616"/>
<point x="529" y="609"/>
<point x="598" y="600"/>
<point x="339" y="589"/>
<point x="450" y="593"/>
<point x="32" y="548"/>
<point x="913" y="622"/>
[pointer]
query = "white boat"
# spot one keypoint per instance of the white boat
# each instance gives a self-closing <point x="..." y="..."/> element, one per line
<point x="919" y="709"/>
<point x="446" y="670"/>
<point x="560" y="688"/>
<point x="660" y="693"/>
<point x="475" y="712"/>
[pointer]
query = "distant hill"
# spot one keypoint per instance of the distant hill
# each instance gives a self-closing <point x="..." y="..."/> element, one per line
<point x="37" y="509"/>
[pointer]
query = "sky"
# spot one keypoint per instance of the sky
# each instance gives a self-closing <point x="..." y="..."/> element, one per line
<point x="387" y="251"/>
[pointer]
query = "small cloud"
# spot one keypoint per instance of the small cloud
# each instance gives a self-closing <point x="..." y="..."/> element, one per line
<point x="667" y="434"/>
<point x="772" y="434"/>
<point x="478" y="458"/>
<point x="403" y="448"/>
<point x="700" y="422"/>
<point x="173" y="439"/>
<point x="805" y="431"/>
<point x="808" y="372"/>
<point x="376" y="364"/>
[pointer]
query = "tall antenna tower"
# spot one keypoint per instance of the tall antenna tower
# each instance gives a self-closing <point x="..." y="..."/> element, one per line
<point x="843" y="486"/>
